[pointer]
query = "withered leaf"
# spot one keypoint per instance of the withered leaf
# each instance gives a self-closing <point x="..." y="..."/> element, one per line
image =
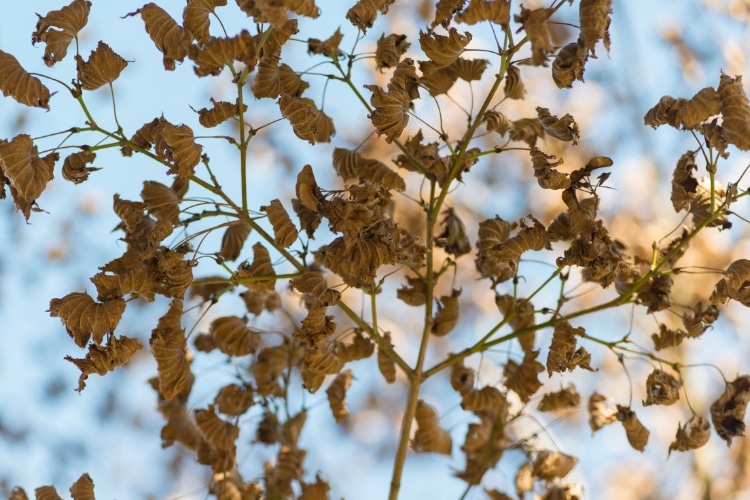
<point x="735" y="109"/>
<point x="462" y="378"/>
<point x="636" y="433"/>
<point x="550" y="465"/>
<point x="169" y="348"/>
<point x="234" y="400"/>
<point x="364" y="12"/>
<point x="430" y="437"/>
<point x="27" y="173"/>
<point x="523" y="317"/>
<point x="267" y="82"/>
<point x="83" y="488"/>
<point x="103" y="359"/>
<point x="75" y="169"/>
<point x="661" y="389"/>
<point x="219" y="113"/>
<point x="568" y="66"/>
<point x="218" y="52"/>
<point x="329" y="47"/>
<point x="562" y="354"/>
<point x="314" y="283"/>
<point x="377" y="172"/>
<point x="360" y="348"/>
<point x="443" y="50"/>
<point x="317" y="363"/>
<point x="560" y="400"/>
<point x="316" y="326"/>
<point x="161" y="201"/>
<point x="391" y="113"/>
<point x="386" y="365"/>
<point x="728" y="412"/>
<point x="46" y="493"/>
<point x="523" y="379"/>
<point x="447" y="315"/>
<point x="20" y="85"/>
<point x="269" y="365"/>
<point x="534" y="237"/>
<point x="138" y="281"/>
<point x="177" y="146"/>
<point x="564" y="128"/>
<point x="514" y="87"/>
<point x="170" y="38"/>
<point x="692" y="435"/>
<point x="445" y="10"/>
<point x="347" y="163"/>
<point x="734" y="285"/>
<point x="439" y="81"/>
<point x="699" y="108"/>
<point x="104" y="66"/>
<point x="219" y="433"/>
<point x="70" y="19"/>
<point x="337" y="395"/>
<point x="594" y="19"/>
<point x="534" y="22"/>
<point x="233" y="240"/>
<point x="389" y="50"/>
<point x="283" y="229"/>
<point x="488" y="400"/>
<point x="667" y="338"/>
<point x="494" y="11"/>
<point x="308" y="122"/>
<point x="85" y="318"/>
<point x="468" y="70"/>
<point x="453" y="238"/>
<point x="319" y="490"/>
<point x="527" y="130"/>
<point x="546" y="175"/>
<point x="307" y="190"/>
<point x="195" y="17"/>
<point x="261" y="269"/>
<point x="233" y="337"/>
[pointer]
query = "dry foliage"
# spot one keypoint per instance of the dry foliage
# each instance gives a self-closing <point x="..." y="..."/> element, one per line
<point x="395" y="226"/>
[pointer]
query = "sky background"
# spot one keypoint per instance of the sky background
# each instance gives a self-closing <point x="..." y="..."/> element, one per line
<point x="50" y="435"/>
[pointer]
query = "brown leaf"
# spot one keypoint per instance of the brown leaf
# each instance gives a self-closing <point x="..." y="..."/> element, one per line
<point x="445" y="10"/>
<point x="169" y="348"/>
<point x="307" y="190"/>
<point x="315" y="491"/>
<point x="667" y="338"/>
<point x="177" y="146"/>
<point x="364" y="12"/>
<point x="337" y="395"/>
<point x="728" y="412"/>
<point x="391" y="113"/>
<point x="527" y="130"/>
<point x="568" y="66"/>
<point x="103" y="359"/>
<point x="661" y="389"/>
<point x="27" y="173"/>
<point x="46" y="493"/>
<point x="735" y="109"/>
<point x="359" y="348"/>
<point x="443" y="50"/>
<point x="283" y="229"/>
<point x="161" y="201"/>
<point x="514" y="87"/>
<point x="429" y="437"/>
<point x="347" y="163"/>
<point x="734" y="285"/>
<point x="534" y="22"/>
<point x="83" y="488"/>
<point x="104" y="66"/>
<point x="20" y="85"/>
<point x="70" y="19"/>
<point x="291" y="82"/>
<point x="219" y="113"/>
<point x="550" y="465"/>
<point x="594" y="19"/>
<point x="560" y="400"/>
<point x="308" y="122"/>
<point x="446" y="317"/>
<point x="389" y="50"/>
<point x="488" y="400"/>
<point x="564" y="129"/>
<point x="75" y="169"/>
<point x="494" y="11"/>
<point x="233" y="337"/>
<point x="218" y="52"/>
<point x="138" y="281"/>
<point x="233" y="240"/>
<point x="234" y="400"/>
<point x="84" y="318"/>
<point x="267" y="82"/>
<point x="636" y="433"/>
<point x="386" y="365"/>
<point x="328" y="47"/>
<point x="314" y="283"/>
<point x="462" y="378"/>
<point x="317" y="363"/>
<point x="699" y="108"/>
<point x="195" y="17"/>
<point x="692" y="435"/>
<point x="316" y="327"/>
<point x="170" y="38"/>
<point x="261" y="268"/>
<point x="523" y="379"/>
<point x="269" y="365"/>
<point x="562" y="354"/>
<point x="439" y="81"/>
<point x="220" y="434"/>
<point x="453" y="238"/>
<point x="528" y="238"/>
<point x="523" y="317"/>
<point x="546" y="175"/>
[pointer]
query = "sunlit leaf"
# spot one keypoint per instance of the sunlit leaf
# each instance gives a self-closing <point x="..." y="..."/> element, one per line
<point x="70" y="19"/>
<point x="27" y="173"/>
<point x="430" y="437"/>
<point x="85" y="318"/>
<point x="104" y="66"/>
<point x="169" y="37"/>
<point x="195" y="17"/>
<point x="20" y="85"/>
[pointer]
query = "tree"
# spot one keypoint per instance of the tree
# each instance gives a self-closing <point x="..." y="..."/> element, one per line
<point x="399" y="257"/>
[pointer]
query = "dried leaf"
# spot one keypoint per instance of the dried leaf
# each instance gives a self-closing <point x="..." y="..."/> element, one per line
<point x="316" y="327"/>
<point x="439" y="81"/>
<point x="667" y="338"/>
<point x="703" y="105"/>
<point x="328" y="47"/>
<point x="546" y="175"/>
<point x="261" y="273"/>
<point x="534" y="22"/>
<point x="523" y="317"/>
<point x="337" y="395"/>
<point x="317" y="363"/>
<point x="550" y="465"/>
<point x="84" y="318"/>
<point x="568" y="66"/>
<point x="218" y="52"/>
<point x="594" y="19"/>
<point x="692" y="435"/>
<point x="269" y="365"/>
<point x="661" y="389"/>
<point x="453" y="238"/>
<point x="20" y="85"/>
<point x="514" y="87"/>
<point x="386" y="365"/>
<point x="161" y="201"/>
<point x="83" y="488"/>
<point x="177" y="146"/>
<point x="734" y="285"/>
<point x="170" y="38"/>
<point x="494" y="11"/>
<point x="364" y="12"/>
<point x="314" y="283"/>
<point x="429" y="437"/>
<point x="524" y="479"/>
<point x="169" y="348"/>
<point x="308" y="122"/>
<point x="443" y="50"/>
<point x="377" y="172"/>
<point x="104" y="66"/>
<point x="70" y="19"/>
<point x="219" y="113"/>
<point x="195" y="17"/>
<point x="315" y="491"/>
<point x="488" y="399"/>
<point x="560" y="400"/>
<point x="234" y="400"/>
<point x="307" y="190"/>
<point x="360" y="348"/>
<point x="636" y="433"/>
<point x="523" y="379"/>
<point x="46" y="493"/>
<point x="446" y="317"/>
<point x="564" y="128"/>
<point x="391" y="113"/>
<point x="462" y="378"/>
<point x="445" y="10"/>
<point x="103" y="359"/>
<point x="562" y="354"/>
<point x="232" y="336"/>
<point x="220" y="434"/>
<point x="25" y="171"/>
<point x="389" y="50"/>
<point x="291" y="82"/>
<point x="728" y="412"/>
<point x="283" y="229"/>
<point x="656" y="293"/>
<point x="528" y="238"/>
<point x="735" y="109"/>
<point x="75" y="169"/>
<point x="527" y="130"/>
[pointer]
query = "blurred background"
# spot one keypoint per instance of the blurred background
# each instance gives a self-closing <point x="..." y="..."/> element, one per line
<point x="50" y="434"/>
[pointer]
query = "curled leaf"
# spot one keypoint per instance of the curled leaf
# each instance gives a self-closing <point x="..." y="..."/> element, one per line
<point x="177" y="146"/>
<point x="364" y="12"/>
<point x="234" y="400"/>
<point x="494" y="11"/>
<point x="20" y="85"/>
<point x="550" y="465"/>
<point x="728" y="412"/>
<point x="599" y="413"/>
<point x="546" y="175"/>
<point x="692" y="435"/>
<point x="220" y="434"/>
<point x="103" y="359"/>
<point x="462" y="378"/>
<point x="386" y="365"/>
<point x="104" y="66"/>
<point x="316" y="326"/>
<point x="443" y="50"/>
<point x="75" y="169"/>
<point x="359" y="348"/>
<point x="70" y="19"/>
<point x="26" y="172"/>
<point x="389" y="50"/>
<point x="568" y="66"/>
<point x="564" y="128"/>
<point x="283" y="229"/>
<point x="195" y="17"/>
<point x="233" y="337"/>
<point x="259" y="276"/>
<point x="84" y="318"/>
<point x="447" y="315"/>
<point x="307" y="190"/>
<point x="170" y="38"/>
<point x="169" y="348"/>
<point x="734" y="285"/>
<point x="562" y="354"/>
<point x="667" y="338"/>
<point x="735" y="109"/>
<point x="233" y="240"/>
<point x="314" y="283"/>
<point x="218" y="52"/>
<point x="594" y="19"/>
<point x="636" y="433"/>
<point x="523" y="379"/>
<point x="329" y="47"/>
<point x="534" y="22"/>
<point x="430" y="437"/>
<point x="514" y="87"/>
<point x="219" y="113"/>
<point x="83" y="488"/>
<point x="453" y="238"/>
<point x="308" y="122"/>
<point x="560" y="400"/>
<point x="337" y="395"/>
<point x="661" y="389"/>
